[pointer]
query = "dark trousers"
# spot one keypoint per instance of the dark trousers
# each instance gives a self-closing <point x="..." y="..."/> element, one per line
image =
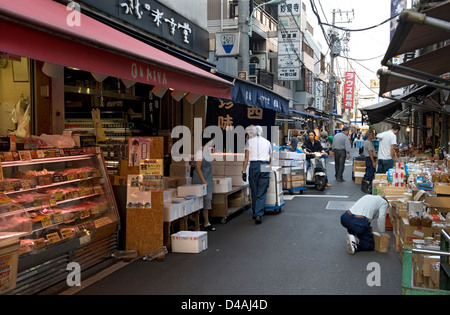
<point x="360" y="227"/>
<point x="339" y="162"/>
<point x="370" y="170"/>
<point x="259" y="182"/>
<point x="384" y="165"/>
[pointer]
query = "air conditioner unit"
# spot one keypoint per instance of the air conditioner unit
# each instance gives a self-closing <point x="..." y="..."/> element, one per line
<point x="260" y="59"/>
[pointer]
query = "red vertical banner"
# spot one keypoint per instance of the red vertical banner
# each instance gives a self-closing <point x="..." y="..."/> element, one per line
<point x="349" y="90"/>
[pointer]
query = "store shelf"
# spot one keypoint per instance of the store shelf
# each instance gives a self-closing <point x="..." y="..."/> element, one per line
<point x="48" y="160"/>
<point x="104" y="93"/>
<point x="72" y="208"/>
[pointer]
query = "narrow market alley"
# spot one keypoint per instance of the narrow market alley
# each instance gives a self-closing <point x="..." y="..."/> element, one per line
<point x="301" y="250"/>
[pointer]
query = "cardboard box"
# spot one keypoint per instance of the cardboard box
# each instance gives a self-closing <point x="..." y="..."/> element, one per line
<point x="381" y="242"/>
<point x="189" y="242"/>
<point x="358" y="180"/>
<point x="192" y="190"/>
<point x="381" y="176"/>
<point x="222" y="184"/>
<point x="440" y="203"/>
<point x="233" y="170"/>
<point x="442" y="188"/>
<point x="409" y="233"/>
<point x="358" y="163"/>
<point x="358" y="169"/>
<point x="218" y="169"/>
<point x="180" y="170"/>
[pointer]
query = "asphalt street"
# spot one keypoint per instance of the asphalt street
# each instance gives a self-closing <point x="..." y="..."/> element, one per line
<point x="301" y="250"/>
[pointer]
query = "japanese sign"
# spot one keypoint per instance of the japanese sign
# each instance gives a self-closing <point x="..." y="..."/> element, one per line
<point x="231" y="115"/>
<point x="289" y="39"/>
<point x="159" y="20"/>
<point x="349" y="90"/>
<point x="227" y="44"/>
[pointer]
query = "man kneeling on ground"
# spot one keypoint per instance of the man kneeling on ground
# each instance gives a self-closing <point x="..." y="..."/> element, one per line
<point x="357" y="222"/>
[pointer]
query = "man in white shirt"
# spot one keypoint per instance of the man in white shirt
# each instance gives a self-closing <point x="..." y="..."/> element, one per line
<point x="258" y="152"/>
<point x="386" y="150"/>
<point x="357" y="222"/>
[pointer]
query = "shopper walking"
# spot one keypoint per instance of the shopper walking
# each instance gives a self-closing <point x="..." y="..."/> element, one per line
<point x="386" y="150"/>
<point x="340" y="151"/>
<point x="370" y="154"/>
<point x="357" y="222"/>
<point x="203" y="175"/>
<point x="258" y="151"/>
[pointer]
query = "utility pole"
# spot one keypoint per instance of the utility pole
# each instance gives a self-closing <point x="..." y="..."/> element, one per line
<point x="335" y="51"/>
<point x="243" y="18"/>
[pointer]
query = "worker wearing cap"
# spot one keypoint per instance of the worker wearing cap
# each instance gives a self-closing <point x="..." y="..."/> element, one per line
<point x="258" y="151"/>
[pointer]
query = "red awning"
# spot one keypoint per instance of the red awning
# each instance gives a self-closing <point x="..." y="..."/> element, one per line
<point x="39" y="30"/>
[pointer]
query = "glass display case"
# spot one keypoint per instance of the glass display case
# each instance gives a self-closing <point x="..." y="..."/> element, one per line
<point x="66" y="194"/>
<point x="66" y="197"/>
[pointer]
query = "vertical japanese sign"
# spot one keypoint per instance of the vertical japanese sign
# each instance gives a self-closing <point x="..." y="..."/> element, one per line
<point x="397" y="6"/>
<point x="349" y="90"/>
<point x="289" y="39"/>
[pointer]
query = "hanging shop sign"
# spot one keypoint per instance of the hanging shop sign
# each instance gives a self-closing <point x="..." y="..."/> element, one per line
<point x="289" y="39"/>
<point x="250" y="95"/>
<point x="229" y="116"/>
<point x="349" y="90"/>
<point x="158" y="20"/>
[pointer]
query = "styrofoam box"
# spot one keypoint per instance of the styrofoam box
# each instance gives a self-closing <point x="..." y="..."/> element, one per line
<point x="222" y="184"/>
<point x="288" y="170"/>
<point x="275" y="187"/>
<point x="192" y="190"/>
<point x="171" y="212"/>
<point x="189" y="242"/>
<point x="169" y="193"/>
<point x="291" y="155"/>
<point x="273" y="199"/>
<point x="275" y="174"/>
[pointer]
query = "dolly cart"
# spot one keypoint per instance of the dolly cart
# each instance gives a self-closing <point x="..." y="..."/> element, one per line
<point x="297" y="167"/>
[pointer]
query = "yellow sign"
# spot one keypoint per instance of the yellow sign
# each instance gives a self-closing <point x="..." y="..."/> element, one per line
<point x="152" y="167"/>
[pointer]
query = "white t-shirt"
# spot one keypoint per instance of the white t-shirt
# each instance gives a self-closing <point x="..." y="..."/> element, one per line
<point x="259" y="149"/>
<point x="387" y="139"/>
<point x="372" y="207"/>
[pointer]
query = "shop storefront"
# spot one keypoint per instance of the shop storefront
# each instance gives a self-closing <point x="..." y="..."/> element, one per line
<point x="79" y="75"/>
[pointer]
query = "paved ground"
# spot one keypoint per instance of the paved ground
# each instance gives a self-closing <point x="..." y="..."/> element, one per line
<point x="299" y="251"/>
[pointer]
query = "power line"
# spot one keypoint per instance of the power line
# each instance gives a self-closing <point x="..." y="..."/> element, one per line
<point x="362" y="29"/>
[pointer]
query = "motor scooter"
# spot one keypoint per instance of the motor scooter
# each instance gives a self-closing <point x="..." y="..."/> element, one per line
<point x="317" y="172"/>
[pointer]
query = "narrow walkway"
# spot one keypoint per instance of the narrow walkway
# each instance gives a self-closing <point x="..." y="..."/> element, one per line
<point x="298" y="251"/>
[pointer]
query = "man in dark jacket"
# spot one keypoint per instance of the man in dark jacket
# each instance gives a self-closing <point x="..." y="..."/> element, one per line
<point x="311" y="146"/>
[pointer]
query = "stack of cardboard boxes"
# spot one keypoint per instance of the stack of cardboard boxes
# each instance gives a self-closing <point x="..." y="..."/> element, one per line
<point x="419" y="204"/>
<point x="292" y="169"/>
<point x="359" y="169"/>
